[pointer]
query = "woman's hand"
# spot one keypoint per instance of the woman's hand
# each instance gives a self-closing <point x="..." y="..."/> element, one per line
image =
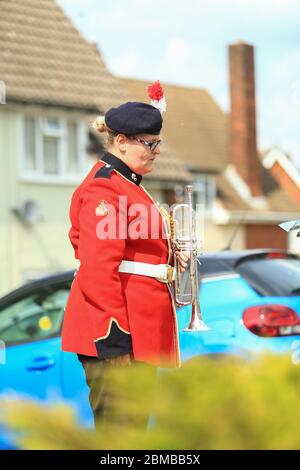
<point x="124" y="360"/>
<point x="182" y="258"/>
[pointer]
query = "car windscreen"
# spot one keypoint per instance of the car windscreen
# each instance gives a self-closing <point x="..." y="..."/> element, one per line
<point x="272" y="276"/>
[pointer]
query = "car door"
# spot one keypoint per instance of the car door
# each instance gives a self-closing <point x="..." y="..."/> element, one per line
<point x="30" y="337"/>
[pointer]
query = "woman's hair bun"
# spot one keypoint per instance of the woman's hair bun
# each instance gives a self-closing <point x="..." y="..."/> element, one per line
<point x="99" y="124"/>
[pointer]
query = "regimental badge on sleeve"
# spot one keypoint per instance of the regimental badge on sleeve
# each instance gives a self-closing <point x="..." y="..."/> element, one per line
<point x="102" y="208"/>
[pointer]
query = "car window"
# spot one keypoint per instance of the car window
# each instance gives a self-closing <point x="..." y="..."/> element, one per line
<point x="274" y="276"/>
<point x="35" y="317"/>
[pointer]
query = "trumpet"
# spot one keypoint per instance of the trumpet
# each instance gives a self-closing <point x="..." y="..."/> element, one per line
<point x="183" y="238"/>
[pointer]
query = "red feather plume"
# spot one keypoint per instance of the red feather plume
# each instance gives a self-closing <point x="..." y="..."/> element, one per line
<point x="155" y="91"/>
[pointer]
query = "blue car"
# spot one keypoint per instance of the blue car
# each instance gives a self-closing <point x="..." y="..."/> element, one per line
<point x="251" y="302"/>
<point x="249" y="299"/>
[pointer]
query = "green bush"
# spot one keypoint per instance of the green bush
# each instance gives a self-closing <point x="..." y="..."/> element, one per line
<point x="208" y="404"/>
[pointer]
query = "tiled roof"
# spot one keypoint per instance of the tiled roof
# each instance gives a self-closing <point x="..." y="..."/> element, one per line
<point x="44" y="59"/>
<point x="276" y="198"/>
<point x="169" y="168"/>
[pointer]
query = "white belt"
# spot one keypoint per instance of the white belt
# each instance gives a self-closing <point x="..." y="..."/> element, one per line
<point x="162" y="272"/>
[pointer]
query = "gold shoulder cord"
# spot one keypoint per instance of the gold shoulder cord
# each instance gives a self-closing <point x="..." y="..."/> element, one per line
<point x="169" y="219"/>
<point x="172" y="225"/>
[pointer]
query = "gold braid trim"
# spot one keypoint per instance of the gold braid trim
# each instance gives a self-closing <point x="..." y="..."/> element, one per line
<point x="165" y="214"/>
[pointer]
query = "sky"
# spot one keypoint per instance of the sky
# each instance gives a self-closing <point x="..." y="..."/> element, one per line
<point x="185" y="42"/>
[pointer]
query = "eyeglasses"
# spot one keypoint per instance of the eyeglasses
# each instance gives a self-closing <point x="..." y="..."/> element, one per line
<point x="152" y="144"/>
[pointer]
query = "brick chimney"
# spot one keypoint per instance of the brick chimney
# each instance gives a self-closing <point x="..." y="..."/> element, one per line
<point x="243" y="146"/>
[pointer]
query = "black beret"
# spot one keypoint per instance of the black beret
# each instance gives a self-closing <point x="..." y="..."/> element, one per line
<point x="134" y="118"/>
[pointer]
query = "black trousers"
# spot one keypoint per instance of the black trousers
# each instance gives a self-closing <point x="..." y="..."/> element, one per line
<point x="100" y="396"/>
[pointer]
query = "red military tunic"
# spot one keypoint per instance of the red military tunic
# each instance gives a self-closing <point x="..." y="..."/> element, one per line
<point x="108" y="312"/>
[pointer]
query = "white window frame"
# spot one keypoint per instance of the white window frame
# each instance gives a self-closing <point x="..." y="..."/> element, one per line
<point x="41" y="123"/>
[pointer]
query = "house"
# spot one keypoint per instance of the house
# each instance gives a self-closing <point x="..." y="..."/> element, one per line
<point x="246" y="192"/>
<point x="53" y="85"/>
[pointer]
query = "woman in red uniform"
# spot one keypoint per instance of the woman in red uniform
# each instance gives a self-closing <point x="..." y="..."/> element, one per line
<point x="120" y="307"/>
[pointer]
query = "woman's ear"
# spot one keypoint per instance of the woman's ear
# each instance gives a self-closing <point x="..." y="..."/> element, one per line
<point x="121" y="141"/>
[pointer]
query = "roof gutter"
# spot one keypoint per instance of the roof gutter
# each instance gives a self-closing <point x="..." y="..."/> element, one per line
<point x="252" y="217"/>
<point x="69" y="107"/>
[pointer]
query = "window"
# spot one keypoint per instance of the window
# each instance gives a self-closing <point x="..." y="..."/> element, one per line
<point x="272" y="277"/>
<point x="204" y="190"/>
<point x="54" y="149"/>
<point x="73" y="167"/>
<point x="52" y="135"/>
<point x="35" y="317"/>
